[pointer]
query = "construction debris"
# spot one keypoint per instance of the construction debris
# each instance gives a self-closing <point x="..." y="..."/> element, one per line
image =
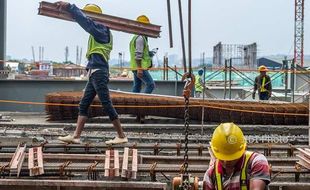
<point x="115" y="23"/>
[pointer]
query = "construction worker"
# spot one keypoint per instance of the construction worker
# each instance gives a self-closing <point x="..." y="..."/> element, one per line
<point x="100" y="44"/>
<point x="141" y="60"/>
<point x="234" y="168"/>
<point x="199" y="83"/>
<point x="262" y="84"/>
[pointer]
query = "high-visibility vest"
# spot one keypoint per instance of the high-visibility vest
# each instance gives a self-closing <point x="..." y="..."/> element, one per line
<point x="99" y="48"/>
<point x="243" y="175"/>
<point x="198" y="86"/>
<point x="146" y="61"/>
<point x="262" y="88"/>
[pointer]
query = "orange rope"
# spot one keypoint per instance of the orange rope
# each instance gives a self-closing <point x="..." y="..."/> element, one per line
<point x="163" y="106"/>
<point x="216" y="69"/>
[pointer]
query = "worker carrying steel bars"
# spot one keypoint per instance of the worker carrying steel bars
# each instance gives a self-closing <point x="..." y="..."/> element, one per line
<point x="113" y="22"/>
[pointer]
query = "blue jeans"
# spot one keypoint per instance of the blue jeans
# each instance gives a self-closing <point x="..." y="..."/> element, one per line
<point x="98" y="85"/>
<point x="264" y="96"/>
<point x="146" y="79"/>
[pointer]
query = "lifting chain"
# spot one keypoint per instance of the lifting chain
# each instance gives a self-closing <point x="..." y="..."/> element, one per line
<point x="186" y="127"/>
<point x="189" y="84"/>
<point x="186" y="181"/>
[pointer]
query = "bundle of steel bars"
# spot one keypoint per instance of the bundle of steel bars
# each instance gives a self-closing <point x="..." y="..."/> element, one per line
<point x="113" y="22"/>
<point x="64" y="105"/>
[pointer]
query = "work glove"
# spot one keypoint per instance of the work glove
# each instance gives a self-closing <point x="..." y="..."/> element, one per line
<point x="253" y="95"/>
<point x="153" y="52"/>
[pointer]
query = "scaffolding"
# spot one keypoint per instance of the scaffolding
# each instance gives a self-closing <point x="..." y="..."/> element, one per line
<point x="243" y="56"/>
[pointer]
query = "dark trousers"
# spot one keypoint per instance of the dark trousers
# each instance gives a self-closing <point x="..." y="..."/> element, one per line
<point x="146" y="79"/>
<point x="264" y="96"/>
<point x="98" y="85"/>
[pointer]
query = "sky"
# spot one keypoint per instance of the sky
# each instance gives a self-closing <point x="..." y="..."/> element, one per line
<point x="269" y="23"/>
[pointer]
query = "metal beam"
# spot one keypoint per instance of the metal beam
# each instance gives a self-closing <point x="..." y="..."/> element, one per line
<point x="2" y="33"/>
<point x="115" y="23"/>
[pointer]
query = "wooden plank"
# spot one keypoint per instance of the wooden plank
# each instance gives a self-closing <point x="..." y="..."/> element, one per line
<point x="17" y="160"/>
<point x="134" y="165"/>
<point x="305" y="162"/>
<point x="35" y="161"/>
<point x="30" y="158"/>
<point x="125" y="163"/>
<point x="116" y="163"/>
<point x="308" y="151"/>
<point x="304" y="152"/>
<point x="107" y="163"/>
<point x="40" y="160"/>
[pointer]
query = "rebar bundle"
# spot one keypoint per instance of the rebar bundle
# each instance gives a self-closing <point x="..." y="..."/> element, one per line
<point x="64" y="106"/>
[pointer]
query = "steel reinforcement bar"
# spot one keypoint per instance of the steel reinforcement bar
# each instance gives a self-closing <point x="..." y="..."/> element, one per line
<point x="64" y="106"/>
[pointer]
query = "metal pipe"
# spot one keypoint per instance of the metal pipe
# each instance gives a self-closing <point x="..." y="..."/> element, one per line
<point x="2" y="33"/>
<point x="182" y="36"/>
<point x="293" y="81"/>
<point x="285" y="66"/>
<point x="225" y="79"/>
<point x="230" y="67"/>
<point x="203" y="99"/>
<point x="170" y="23"/>
<point x="176" y="81"/>
<point x="190" y="36"/>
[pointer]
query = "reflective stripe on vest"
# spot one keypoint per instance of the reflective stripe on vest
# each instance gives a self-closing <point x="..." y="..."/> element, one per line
<point x="262" y="88"/>
<point x="198" y="86"/>
<point x="99" y="48"/>
<point x="243" y="175"/>
<point x="146" y="61"/>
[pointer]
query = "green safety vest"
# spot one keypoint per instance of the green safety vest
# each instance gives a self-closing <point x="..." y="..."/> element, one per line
<point x="198" y="86"/>
<point x="262" y="88"/>
<point x="243" y="176"/>
<point x="99" y="48"/>
<point x="146" y="61"/>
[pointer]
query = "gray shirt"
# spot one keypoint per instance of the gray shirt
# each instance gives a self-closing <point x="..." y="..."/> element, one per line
<point x="139" y="48"/>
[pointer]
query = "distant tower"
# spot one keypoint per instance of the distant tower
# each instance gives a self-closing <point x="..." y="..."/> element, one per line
<point x="299" y="32"/>
<point x="66" y="54"/>
<point x="77" y="55"/>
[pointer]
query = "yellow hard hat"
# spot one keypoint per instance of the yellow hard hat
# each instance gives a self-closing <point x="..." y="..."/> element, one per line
<point x="262" y="68"/>
<point x="228" y="142"/>
<point x="143" y="19"/>
<point x="92" y="8"/>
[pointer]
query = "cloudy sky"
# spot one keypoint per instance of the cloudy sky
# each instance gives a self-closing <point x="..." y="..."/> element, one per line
<point x="270" y="23"/>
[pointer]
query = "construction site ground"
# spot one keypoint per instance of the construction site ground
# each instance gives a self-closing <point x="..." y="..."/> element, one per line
<point x="160" y="152"/>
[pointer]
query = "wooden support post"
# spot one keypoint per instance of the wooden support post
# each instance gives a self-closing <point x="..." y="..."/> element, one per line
<point x="125" y="163"/>
<point x="304" y="157"/>
<point x="35" y="161"/>
<point x="128" y="156"/>
<point x="134" y="166"/>
<point x="111" y="170"/>
<point x="17" y="160"/>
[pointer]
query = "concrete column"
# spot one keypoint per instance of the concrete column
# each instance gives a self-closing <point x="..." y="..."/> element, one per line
<point x="2" y="33"/>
